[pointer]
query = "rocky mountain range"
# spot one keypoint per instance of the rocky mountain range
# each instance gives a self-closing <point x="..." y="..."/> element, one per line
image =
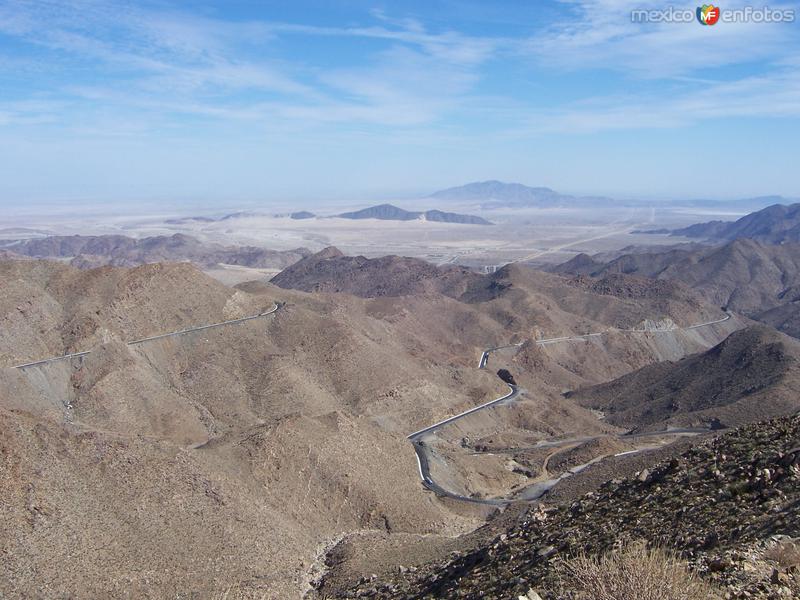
<point x="333" y="272"/>
<point x="120" y="250"/>
<point x="270" y="456"/>
<point x="756" y="279"/>
<point x="775" y="224"/>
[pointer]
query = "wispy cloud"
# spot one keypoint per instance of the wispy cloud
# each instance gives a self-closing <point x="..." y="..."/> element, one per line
<point x="600" y="34"/>
<point x="776" y="95"/>
<point x="156" y="61"/>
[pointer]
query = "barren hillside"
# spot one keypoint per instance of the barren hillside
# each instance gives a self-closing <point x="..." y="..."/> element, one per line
<point x="185" y="463"/>
<point x="744" y="275"/>
<point x="331" y="271"/>
<point x="775" y="224"/>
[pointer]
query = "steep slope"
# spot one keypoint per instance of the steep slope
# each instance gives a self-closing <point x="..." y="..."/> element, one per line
<point x="520" y="297"/>
<point x="48" y="308"/>
<point x="580" y="264"/>
<point x="784" y="318"/>
<point x="753" y="375"/>
<point x="533" y="298"/>
<point x="215" y="458"/>
<point x="644" y="264"/>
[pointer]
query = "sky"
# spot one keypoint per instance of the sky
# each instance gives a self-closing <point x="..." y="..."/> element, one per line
<point x="266" y="101"/>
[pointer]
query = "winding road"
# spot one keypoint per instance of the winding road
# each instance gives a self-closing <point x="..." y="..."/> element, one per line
<point x="421" y="448"/>
<point x="53" y="359"/>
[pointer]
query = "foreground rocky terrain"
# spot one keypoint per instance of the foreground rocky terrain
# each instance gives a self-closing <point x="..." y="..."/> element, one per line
<point x="724" y="505"/>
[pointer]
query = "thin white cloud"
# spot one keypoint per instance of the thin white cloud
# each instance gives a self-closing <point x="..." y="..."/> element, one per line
<point x="776" y="95"/>
<point x="601" y="34"/>
<point x="28" y="112"/>
<point x="198" y="65"/>
<point x="162" y="63"/>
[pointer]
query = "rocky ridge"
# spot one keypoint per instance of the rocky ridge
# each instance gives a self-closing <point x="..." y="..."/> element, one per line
<point x="121" y="251"/>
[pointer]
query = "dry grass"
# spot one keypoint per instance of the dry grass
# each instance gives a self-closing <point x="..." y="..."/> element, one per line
<point x="635" y="572"/>
<point x="786" y="554"/>
<point x="236" y="592"/>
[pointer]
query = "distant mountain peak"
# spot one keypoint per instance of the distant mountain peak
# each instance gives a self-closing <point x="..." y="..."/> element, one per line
<point x="498" y="194"/>
<point x="326" y="253"/>
<point x="387" y="212"/>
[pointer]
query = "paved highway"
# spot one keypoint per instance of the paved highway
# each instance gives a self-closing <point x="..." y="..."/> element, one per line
<point x="577" y="338"/>
<point x="45" y="361"/>
<point x="421" y="449"/>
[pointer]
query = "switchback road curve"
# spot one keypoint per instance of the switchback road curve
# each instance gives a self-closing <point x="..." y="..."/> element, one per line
<point x="421" y="448"/>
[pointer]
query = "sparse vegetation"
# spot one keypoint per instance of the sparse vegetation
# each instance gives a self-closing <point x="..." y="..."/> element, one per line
<point x="786" y="553"/>
<point x="237" y="592"/>
<point x="634" y="572"/>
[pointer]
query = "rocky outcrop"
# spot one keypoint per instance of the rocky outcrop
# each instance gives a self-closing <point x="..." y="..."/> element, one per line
<point x="330" y="271"/>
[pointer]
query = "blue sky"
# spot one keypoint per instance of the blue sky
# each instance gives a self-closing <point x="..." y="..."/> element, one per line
<point x="274" y="101"/>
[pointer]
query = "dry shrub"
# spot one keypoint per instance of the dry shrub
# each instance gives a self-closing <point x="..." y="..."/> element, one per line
<point x="236" y="592"/>
<point x="786" y="553"/>
<point x="635" y="572"/>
